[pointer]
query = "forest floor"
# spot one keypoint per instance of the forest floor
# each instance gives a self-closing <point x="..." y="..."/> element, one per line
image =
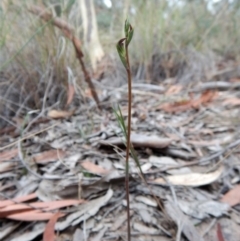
<point x="67" y="169"/>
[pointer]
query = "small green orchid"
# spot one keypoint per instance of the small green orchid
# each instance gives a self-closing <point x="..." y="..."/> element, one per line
<point x="124" y="42"/>
<point x="122" y="48"/>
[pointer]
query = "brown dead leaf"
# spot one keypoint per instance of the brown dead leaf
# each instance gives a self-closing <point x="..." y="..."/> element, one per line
<point x="219" y="233"/>
<point x="33" y="215"/>
<point x="191" y="103"/>
<point x="96" y="169"/>
<point x="70" y="94"/>
<point x="38" y="211"/>
<point x="174" y="89"/>
<point x="6" y="166"/>
<point x="49" y="156"/>
<point x="232" y="197"/>
<point x="234" y="80"/>
<point x="49" y="232"/>
<point x="60" y="114"/>
<point x="205" y="98"/>
<point x="192" y="179"/>
<point x="232" y="102"/>
<point x="46" y="206"/>
<point x="141" y="140"/>
<point x="28" y="197"/>
<point x="9" y="154"/>
<point x="179" y="106"/>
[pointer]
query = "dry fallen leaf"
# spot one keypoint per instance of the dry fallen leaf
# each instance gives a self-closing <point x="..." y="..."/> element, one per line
<point x="28" y="197"/>
<point x="7" y="229"/>
<point x="205" y="97"/>
<point x="141" y="140"/>
<point x="91" y="167"/>
<point x="49" y="156"/>
<point x="9" y="154"/>
<point x="232" y="197"/>
<point x="60" y="114"/>
<point x="179" y="106"/>
<point x="234" y="80"/>
<point x="6" y="166"/>
<point x="118" y="222"/>
<point x="49" y="232"/>
<point x="145" y="229"/>
<point x="187" y="104"/>
<point x="37" y="211"/>
<point x="182" y="222"/>
<point x="232" y="102"/>
<point x="191" y="179"/>
<point x="85" y="211"/>
<point x="203" y="209"/>
<point x="147" y="200"/>
<point x="46" y="206"/>
<point x="219" y="233"/>
<point x="30" y="216"/>
<point x="70" y="94"/>
<point x="30" y="235"/>
<point x="174" y="89"/>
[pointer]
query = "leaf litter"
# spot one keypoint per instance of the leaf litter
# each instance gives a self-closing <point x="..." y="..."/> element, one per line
<point x="188" y="148"/>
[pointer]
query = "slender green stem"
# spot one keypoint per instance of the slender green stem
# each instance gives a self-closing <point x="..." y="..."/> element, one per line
<point x="128" y="139"/>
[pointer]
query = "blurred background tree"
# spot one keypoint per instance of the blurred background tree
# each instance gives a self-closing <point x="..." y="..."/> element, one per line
<point x="187" y="40"/>
<point x="208" y="27"/>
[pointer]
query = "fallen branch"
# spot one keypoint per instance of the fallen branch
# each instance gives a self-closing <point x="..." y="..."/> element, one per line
<point x="69" y="33"/>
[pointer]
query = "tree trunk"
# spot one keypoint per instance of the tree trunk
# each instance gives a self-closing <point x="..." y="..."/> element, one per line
<point x="90" y="32"/>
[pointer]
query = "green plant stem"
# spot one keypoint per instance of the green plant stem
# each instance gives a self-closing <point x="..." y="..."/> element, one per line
<point x="128" y="139"/>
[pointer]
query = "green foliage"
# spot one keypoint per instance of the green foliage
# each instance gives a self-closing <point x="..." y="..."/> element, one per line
<point x="87" y="174"/>
<point x="124" y="42"/>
